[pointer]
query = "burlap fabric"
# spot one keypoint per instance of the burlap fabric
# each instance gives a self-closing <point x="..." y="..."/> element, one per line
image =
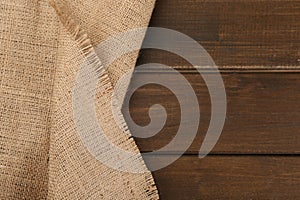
<point x="42" y="46"/>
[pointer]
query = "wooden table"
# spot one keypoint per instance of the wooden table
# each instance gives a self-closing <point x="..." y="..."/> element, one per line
<point x="256" y="45"/>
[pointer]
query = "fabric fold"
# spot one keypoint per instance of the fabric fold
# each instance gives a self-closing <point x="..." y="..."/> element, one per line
<point x="44" y="157"/>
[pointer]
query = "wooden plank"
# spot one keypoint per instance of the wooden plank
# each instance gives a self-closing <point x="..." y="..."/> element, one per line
<point x="263" y="113"/>
<point x="230" y="177"/>
<point x="236" y="33"/>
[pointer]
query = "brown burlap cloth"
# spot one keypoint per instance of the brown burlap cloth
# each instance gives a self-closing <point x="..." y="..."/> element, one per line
<point x="42" y="46"/>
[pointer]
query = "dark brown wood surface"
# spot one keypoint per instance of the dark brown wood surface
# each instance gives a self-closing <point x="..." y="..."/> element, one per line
<point x="230" y="177"/>
<point x="263" y="112"/>
<point x="236" y="33"/>
<point x="256" y="45"/>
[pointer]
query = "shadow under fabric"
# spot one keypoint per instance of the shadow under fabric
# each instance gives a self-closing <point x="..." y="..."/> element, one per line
<point x="43" y="45"/>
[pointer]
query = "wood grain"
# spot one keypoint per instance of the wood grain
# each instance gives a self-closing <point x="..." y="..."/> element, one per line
<point x="257" y="155"/>
<point x="237" y="33"/>
<point x="230" y="177"/>
<point x="263" y="112"/>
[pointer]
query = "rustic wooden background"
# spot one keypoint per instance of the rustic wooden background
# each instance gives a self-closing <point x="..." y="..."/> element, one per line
<point x="256" y="45"/>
